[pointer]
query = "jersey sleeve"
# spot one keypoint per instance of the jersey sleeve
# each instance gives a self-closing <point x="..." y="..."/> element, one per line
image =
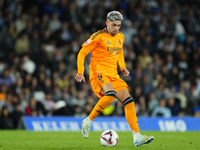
<point x="87" y="47"/>
<point x="121" y="61"/>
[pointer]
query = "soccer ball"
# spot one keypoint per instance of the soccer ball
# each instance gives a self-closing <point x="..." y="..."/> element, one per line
<point x="109" y="138"/>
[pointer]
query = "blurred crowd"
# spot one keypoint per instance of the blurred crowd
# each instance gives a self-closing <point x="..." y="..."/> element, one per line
<point x="40" y="40"/>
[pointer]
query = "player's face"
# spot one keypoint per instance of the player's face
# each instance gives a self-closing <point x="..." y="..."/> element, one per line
<point x="113" y="26"/>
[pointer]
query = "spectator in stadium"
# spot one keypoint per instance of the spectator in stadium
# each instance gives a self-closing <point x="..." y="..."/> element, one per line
<point x="35" y="108"/>
<point x="5" y="120"/>
<point x="16" y="114"/>
<point x="49" y="105"/>
<point x="54" y="23"/>
<point x="143" y="111"/>
<point x="57" y="94"/>
<point x="183" y="101"/>
<point x="128" y="30"/>
<point x="173" y="106"/>
<point x="18" y="87"/>
<point x="147" y="86"/>
<point x="137" y="93"/>
<point x="21" y="23"/>
<point x="137" y="79"/>
<point x="22" y="45"/>
<point x="153" y="102"/>
<point x="28" y="65"/>
<point x="162" y="110"/>
<point x="3" y="91"/>
<point x="145" y="59"/>
<point x="7" y="102"/>
<point x="62" y="109"/>
<point x="5" y="78"/>
<point x="160" y="92"/>
<point x="107" y="49"/>
<point x="23" y="102"/>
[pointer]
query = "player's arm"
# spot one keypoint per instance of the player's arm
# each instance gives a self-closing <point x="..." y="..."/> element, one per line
<point x="80" y="61"/>
<point x="87" y="47"/>
<point x="122" y="64"/>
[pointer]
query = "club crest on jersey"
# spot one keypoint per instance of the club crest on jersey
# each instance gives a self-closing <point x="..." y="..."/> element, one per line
<point x="99" y="77"/>
<point x="120" y="42"/>
<point x="87" y="42"/>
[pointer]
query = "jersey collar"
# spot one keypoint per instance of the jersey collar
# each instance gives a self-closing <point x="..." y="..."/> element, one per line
<point x="106" y="30"/>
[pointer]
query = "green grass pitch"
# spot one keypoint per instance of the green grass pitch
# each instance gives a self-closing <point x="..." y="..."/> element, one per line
<point x="26" y="140"/>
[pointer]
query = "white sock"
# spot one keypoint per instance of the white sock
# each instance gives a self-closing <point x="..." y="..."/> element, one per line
<point x="88" y="119"/>
<point x="135" y="135"/>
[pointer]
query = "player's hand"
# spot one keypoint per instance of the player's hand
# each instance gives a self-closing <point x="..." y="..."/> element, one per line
<point x="126" y="72"/>
<point x="80" y="77"/>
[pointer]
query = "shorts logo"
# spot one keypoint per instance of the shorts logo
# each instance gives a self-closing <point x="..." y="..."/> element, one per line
<point x="100" y="78"/>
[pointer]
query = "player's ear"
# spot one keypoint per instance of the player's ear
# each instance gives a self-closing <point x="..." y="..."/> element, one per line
<point x="107" y="22"/>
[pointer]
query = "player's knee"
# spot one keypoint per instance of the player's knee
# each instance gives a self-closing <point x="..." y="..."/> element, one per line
<point x="127" y="101"/>
<point x="111" y="93"/>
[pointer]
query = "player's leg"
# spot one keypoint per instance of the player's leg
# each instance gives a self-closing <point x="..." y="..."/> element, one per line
<point x="109" y="96"/>
<point x="128" y="103"/>
<point x="124" y="97"/>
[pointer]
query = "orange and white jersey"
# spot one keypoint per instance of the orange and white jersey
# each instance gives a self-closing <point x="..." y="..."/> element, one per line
<point x="106" y="51"/>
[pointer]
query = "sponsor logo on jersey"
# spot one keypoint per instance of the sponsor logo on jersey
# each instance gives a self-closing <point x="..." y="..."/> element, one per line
<point x="114" y="48"/>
